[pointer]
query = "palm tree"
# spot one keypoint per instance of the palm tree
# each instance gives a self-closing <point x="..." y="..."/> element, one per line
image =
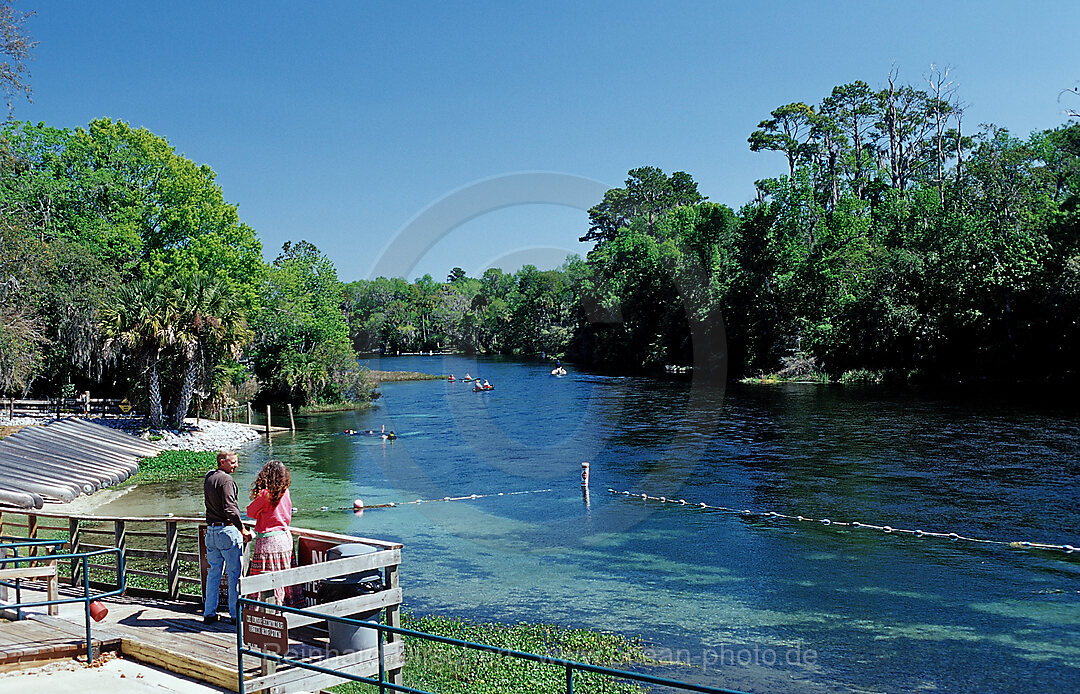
<point x="210" y="326"/>
<point x="140" y="322"/>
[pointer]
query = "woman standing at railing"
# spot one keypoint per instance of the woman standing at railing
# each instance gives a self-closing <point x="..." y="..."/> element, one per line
<point x="271" y="509"/>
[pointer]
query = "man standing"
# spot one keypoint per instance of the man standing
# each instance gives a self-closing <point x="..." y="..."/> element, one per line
<point x="225" y="534"/>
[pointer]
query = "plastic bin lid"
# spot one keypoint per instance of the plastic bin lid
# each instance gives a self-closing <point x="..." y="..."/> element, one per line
<point x="352" y="549"/>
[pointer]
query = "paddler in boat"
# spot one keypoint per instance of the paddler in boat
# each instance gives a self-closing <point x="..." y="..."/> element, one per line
<point x="487" y="386"/>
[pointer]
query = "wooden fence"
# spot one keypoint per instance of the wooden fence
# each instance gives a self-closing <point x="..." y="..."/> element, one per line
<point x="83" y="405"/>
<point x="162" y="553"/>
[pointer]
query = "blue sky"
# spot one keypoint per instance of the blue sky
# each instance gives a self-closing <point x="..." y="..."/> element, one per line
<point x="339" y="122"/>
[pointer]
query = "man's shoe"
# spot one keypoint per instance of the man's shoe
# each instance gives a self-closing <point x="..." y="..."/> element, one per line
<point x="209" y="619"/>
<point x="231" y="621"/>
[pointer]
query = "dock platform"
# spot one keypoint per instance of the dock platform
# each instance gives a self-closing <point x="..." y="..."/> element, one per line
<point x="166" y="633"/>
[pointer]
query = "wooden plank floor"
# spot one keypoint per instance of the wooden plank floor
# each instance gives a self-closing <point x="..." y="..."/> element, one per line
<point x="169" y="634"/>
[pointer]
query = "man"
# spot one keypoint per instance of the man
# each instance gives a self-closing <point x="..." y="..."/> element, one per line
<point x="225" y="534"/>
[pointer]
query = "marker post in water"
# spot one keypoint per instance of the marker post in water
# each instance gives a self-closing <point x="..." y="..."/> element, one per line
<point x="584" y="474"/>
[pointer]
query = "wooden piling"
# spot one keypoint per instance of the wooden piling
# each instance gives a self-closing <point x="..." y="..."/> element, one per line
<point x="268" y="428"/>
<point x="292" y="424"/>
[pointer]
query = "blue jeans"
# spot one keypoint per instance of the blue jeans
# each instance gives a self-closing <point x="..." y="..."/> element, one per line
<point x="224" y="545"/>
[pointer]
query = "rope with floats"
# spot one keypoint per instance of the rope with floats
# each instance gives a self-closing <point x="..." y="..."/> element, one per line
<point x="359" y="505"/>
<point x="1067" y="549"/>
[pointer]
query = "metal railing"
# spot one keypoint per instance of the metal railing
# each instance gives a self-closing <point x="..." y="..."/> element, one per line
<point x="571" y="666"/>
<point x="84" y="557"/>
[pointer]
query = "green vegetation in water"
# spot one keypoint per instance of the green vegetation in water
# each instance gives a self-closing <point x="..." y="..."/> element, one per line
<point x="437" y="667"/>
<point x="174" y="465"/>
<point x="777" y="378"/>
<point x="394" y="376"/>
<point x="333" y="407"/>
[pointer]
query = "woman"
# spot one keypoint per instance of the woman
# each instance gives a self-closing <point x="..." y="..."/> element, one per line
<point x="271" y="509"/>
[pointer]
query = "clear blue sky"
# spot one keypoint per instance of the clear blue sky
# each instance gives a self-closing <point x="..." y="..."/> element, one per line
<point x="339" y="122"/>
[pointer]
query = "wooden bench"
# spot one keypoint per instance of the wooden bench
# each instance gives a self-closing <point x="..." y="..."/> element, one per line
<point x="47" y="572"/>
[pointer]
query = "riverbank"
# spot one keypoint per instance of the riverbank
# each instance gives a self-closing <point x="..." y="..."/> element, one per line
<point x="195" y="435"/>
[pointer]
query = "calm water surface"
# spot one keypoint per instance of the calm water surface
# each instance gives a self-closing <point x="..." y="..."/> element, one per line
<point x="743" y="601"/>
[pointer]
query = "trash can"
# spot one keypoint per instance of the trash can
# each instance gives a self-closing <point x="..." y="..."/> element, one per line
<point x="347" y="638"/>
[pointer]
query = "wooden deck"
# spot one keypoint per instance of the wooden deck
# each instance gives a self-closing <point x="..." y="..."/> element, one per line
<point x="167" y="634"/>
<point x="158" y="624"/>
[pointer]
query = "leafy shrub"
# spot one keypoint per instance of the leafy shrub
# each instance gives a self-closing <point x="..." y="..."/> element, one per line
<point x="862" y="376"/>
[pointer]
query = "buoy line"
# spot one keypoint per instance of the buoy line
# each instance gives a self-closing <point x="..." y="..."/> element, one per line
<point x="1067" y="549"/>
<point x="393" y="504"/>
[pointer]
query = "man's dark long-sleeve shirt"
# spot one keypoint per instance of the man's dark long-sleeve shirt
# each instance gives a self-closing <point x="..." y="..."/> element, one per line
<point x="219" y="495"/>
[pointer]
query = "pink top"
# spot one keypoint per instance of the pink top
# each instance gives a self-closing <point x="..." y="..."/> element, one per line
<point x="269" y="517"/>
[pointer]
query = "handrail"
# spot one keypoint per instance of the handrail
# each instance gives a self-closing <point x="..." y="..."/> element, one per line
<point x="121" y="580"/>
<point x="172" y="531"/>
<point x="570" y="665"/>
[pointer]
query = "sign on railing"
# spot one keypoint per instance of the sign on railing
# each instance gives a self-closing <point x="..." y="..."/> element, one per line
<point x="265" y="631"/>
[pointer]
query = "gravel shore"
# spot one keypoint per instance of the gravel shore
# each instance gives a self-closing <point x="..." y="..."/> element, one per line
<point x="206" y="435"/>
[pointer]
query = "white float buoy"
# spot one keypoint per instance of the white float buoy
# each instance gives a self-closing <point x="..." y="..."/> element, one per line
<point x="584" y="474"/>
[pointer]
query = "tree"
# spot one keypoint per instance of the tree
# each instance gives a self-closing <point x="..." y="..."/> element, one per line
<point x="211" y="328"/>
<point x="16" y="46"/>
<point x="649" y="194"/>
<point x="139" y="324"/>
<point x="787" y="131"/>
<point x="301" y="348"/>
<point x="851" y="107"/>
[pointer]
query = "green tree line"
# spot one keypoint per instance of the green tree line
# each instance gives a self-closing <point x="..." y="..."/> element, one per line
<point x="893" y="245"/>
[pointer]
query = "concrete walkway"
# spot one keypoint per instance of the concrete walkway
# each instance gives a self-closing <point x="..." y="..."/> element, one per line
<point x="115" y="676"/>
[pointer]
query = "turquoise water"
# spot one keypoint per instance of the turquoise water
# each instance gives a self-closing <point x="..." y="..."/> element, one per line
<point x="742" y="600"/>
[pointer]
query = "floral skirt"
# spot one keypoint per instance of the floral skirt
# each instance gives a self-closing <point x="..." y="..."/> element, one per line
<point x="273" y="551"/>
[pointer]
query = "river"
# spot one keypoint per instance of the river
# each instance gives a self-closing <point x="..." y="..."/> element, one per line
<point x="745" y="601"/>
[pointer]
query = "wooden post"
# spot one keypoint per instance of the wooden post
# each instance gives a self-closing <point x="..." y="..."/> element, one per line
<point x="267" y="420"/>
<point x="292" y="424"/>
<point x="249" y="412"/>
<point x="74" y="541"/>
<point x="52" y="591"/>
<point x="268" y="667"/>
<point x="393" y="619"/>
<point x="31" y="533"/>
<point x="172" y="558"/>
<point x="86" y="405"/>
<point x="120" y="535"/>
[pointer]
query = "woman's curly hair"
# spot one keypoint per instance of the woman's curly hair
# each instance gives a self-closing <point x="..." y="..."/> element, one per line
<point x="274" y="478"/>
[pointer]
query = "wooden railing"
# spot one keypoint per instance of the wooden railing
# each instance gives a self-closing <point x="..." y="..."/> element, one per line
<point x="163" y="549"/>
<point x="83" y="405"/>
